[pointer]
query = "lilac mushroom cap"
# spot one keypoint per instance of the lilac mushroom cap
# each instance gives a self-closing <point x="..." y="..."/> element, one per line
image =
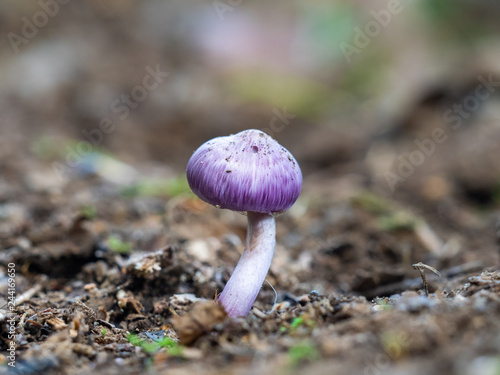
<point x="248" y="171"/>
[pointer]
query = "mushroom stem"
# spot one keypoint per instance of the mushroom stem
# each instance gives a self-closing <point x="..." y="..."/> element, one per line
<point x="244" y="284"/>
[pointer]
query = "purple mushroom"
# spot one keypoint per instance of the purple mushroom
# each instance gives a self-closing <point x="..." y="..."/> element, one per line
<point x="247" y="172"/>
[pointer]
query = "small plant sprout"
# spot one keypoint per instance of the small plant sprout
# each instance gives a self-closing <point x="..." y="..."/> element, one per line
<point x="247" y="172"/>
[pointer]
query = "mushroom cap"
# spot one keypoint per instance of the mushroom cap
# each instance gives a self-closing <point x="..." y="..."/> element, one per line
<point x="248" y="171"/>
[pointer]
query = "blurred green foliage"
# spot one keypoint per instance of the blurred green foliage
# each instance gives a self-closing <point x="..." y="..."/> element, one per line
<point x="45" y="147"/>
<point x="171" y="346"/>
<point x="163" y="187"/>
<point x="303" y="351"/>
<point x="389" y="216"/>
<point x="88" y="211"/>
<point x="459" y="20"/>
<point x="118" y="246"/>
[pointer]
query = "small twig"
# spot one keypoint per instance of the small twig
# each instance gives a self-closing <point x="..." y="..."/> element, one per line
<point x="31" y="292"/>
<point x="413" y="284"/>
<point x="31" y="319"/>
<point x="105" y="323"/>
<point x="420" y="267"/>
<point x="275" y="292"/>
<point x="21" y="321"/>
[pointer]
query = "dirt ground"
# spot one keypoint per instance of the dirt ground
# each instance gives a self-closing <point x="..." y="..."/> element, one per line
<point x="116" y="264"/>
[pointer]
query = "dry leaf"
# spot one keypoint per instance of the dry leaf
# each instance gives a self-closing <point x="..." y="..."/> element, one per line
<point x="199" y="321"/>
<point x="56" y="323"/>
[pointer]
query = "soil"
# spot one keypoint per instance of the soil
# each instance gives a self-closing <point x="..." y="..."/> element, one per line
<point x="117" y="264"/>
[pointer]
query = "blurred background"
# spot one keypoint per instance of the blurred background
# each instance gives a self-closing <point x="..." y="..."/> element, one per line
<point x="391" y="108"/>
<point x="347" y="86"/>
<point x="106" y="98"/>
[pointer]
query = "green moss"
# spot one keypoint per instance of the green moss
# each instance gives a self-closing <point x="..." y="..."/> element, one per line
<point x="118" y="246"/>
<point x="372" y="203"/>
<point x="300" y="321"/>
<point x="171" y="346"/>
<point x="398" y="220"/>
<point x="301" y="352"/>
<point x="88" y="211"/>
<point x="383" y="303"/>
<point x="147" y="346"/>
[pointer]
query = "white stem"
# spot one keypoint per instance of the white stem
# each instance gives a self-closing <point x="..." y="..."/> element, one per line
<point x="244" y="284"/>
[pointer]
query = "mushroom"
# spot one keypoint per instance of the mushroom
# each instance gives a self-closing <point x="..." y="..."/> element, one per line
<point x="247" y="172"/>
